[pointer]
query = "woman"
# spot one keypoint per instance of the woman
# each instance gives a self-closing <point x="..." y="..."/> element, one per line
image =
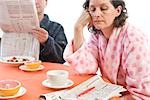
<point x="119" y="49"/>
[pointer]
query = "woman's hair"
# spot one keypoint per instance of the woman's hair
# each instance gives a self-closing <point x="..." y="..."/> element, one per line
<point x="120" y="20"/>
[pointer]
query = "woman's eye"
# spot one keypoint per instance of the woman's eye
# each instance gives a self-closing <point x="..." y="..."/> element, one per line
<point x="92" y="9"/>
<point x="104" y="8"/>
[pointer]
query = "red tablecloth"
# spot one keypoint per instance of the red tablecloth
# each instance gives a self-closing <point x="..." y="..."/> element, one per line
<point x="32" y="81"/>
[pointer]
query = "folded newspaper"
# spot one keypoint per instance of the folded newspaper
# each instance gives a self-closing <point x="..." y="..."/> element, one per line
<point x="85" y="91"/>
<point x="17" y="19"/>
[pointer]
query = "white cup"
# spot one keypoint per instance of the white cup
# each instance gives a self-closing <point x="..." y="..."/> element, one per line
<point x="57" y="77"/>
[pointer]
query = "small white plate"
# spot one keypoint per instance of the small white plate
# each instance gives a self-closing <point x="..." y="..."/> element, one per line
<point x="25" y="68"/>
<point x="19" y="58"/>
<point x="67" y="84"/>
<point x="21" y="92"/>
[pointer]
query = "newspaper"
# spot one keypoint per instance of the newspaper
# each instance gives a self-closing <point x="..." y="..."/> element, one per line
<point x="53" y="95"/>
<point x="14" y="44"/>
<point x="17" y="19"/>
<point x="102" y="91"/>
<point x="19" y="16"/>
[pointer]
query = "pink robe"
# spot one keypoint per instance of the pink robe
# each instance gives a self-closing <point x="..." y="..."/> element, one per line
<point x="124" y="59"/>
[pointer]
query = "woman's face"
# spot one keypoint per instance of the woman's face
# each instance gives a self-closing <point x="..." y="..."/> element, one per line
<point x="103" y="13"/>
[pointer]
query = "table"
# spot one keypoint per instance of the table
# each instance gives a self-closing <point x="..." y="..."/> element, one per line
<point x="32" y="81"/>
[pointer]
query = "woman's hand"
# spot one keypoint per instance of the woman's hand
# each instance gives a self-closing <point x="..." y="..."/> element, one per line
<point x="83" y="20"/>
<point x="41" y="34"/>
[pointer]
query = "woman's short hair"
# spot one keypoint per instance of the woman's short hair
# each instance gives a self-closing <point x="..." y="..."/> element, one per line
<point x="120" y="20"/>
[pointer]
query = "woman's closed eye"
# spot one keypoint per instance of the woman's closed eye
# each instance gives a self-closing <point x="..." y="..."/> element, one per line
<point x="93" y="9"/>
<point x="104" y="8"/>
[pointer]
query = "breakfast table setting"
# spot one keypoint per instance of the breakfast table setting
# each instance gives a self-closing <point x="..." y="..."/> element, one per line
<point x="35" y="81"/>
<point x="32" y="79"/>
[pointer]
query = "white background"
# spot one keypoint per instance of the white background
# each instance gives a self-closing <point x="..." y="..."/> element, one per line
<point x="66" y="13"/>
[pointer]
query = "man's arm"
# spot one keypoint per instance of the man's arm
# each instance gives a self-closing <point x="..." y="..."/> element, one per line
<point x="53" y="48"/>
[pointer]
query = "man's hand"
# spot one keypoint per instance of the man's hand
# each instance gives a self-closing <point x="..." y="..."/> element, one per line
<point x="41" y="34"/>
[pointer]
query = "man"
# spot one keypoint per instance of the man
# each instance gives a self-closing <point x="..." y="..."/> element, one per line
<point x="50" y="35"/>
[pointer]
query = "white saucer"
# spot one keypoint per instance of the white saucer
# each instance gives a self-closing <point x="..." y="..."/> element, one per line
<point x="21" y="92"/>
<point x="25" y="68"/>
<point x="67" y="84"/>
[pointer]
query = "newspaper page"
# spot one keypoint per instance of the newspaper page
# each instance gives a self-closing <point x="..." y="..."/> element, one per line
<point x="53" y="95"/>
<point x="101" y="91"/>
<point x="19" y="16"/>
<point x="14" y="44"/>
<point x="17" y="19"/>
